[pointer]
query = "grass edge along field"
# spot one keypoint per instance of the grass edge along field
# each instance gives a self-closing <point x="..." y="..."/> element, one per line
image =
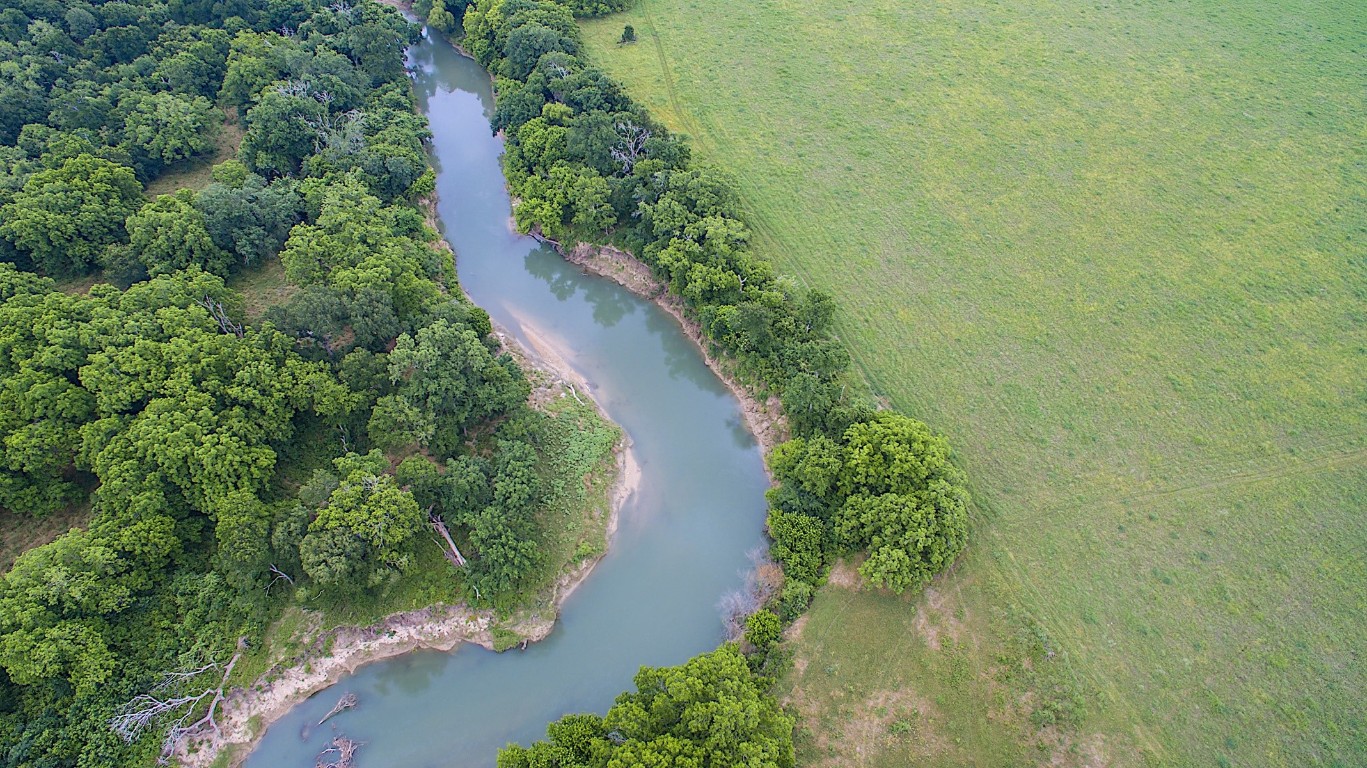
<point x="1116" y="262"/>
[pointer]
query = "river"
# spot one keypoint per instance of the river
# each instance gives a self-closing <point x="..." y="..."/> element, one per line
<point x="683" y="536"/>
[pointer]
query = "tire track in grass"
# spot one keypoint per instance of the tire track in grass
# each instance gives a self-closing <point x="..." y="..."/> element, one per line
<point x="1271" y="469"/>
<point x="667" y="74"/>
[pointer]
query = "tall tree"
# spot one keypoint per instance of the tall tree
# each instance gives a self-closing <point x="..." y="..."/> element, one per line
<point x="64" y="217"/>
<point x="366" y="528"/>
<point x="169" y="234"/>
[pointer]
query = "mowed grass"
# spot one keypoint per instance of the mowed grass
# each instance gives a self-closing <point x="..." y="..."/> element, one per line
<point x="1118" y="253"/>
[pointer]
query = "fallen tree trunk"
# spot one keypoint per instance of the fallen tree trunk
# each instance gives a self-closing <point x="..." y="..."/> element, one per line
<point x="346" y="702"/>
<point x="453" y="554"/>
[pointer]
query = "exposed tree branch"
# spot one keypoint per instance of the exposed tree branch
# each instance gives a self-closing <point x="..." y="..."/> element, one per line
<point x="630" y="144"/>
<point x="220" y="315"/>
<point x="340" y="754"/>
<point x="279" y="574"/>
<point x="144" y="711"/>
<point x="347" y="701"/>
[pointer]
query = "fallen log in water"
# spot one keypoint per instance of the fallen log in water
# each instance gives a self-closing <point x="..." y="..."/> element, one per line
<point x="346" y="702"/>
<point x="340" y="754"/>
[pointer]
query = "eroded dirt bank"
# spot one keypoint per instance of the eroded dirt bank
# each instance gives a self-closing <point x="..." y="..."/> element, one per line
<point x="764" y="418"/>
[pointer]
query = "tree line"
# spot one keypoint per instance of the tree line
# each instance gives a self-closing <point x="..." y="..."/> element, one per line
<point x="226" y="459"/>
<point x="586" y="163"/>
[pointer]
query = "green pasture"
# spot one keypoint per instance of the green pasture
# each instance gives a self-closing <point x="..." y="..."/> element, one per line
<point x="1118" y="253"/>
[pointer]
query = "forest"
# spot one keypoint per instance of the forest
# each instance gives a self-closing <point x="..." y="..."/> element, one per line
<point x="231" y="466"/>
<point x="224" y="455"/>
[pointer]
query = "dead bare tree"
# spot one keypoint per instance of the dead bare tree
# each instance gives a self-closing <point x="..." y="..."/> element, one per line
<point x="439" y="525"/>
<point x="347" y="701"/>
<point x="762" y="582"/>
<point x="340" y="754"/>
<point x="631" y="144"/>
<point x="293" y="88"/>
<point x="279" y="574"/>
<point x="339" y="135"/>
<point x="220" y="315"/>
<point x="169" y="698"/>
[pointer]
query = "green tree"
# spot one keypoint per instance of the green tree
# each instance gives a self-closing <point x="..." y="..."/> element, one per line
<point x="396" y="423"/>
<point x="242" y="531"/>
<point x="64" y="217"/>
<point x="250" y="219"/>
<point x="527" y="43"/>
<point x="888" y="488"/>
<point x="709" y="712"/>
<point x="441" y="19"/>
<point x="169" y="234"/>
<point x="762" y="628"/>
<point x="366" y="528"/>
<point x="281" y="129"/>
<point x="166" y="127"/>
<point x="909" y="538"/>
<point x="449" y="372"/>
<point x="81" y="23"/>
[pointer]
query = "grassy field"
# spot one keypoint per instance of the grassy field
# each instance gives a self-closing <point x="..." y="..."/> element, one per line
<point x="1118" y="253"/>
<point x="195" y="173"/>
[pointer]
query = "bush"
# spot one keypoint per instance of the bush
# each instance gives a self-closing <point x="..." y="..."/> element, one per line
<point x="762" y="629"/>
<point x="793" y="602"/>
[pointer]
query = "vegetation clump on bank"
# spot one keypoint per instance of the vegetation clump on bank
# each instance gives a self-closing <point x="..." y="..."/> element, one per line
<point x="709" y="711"/>
<point x="237" y="468"/>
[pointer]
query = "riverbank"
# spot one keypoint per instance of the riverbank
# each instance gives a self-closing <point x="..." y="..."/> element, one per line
<point x="764" y="418"/>
<point x="328" y="655"/>
<point x="656" y="597"/>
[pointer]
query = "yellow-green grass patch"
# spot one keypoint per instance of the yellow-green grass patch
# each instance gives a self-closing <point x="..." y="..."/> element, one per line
<point x="194" y="173"/>
<point x="1116" y="253"/>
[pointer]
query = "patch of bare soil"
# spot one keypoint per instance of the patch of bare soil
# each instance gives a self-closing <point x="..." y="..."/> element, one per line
<point x="20" y="533"/>
<point x="330" y="656"/>
<point x="1071" y="750"/>
<point x="845" y="576"/>
<point x="934" y="617"/>
<point x="886" y="721"/>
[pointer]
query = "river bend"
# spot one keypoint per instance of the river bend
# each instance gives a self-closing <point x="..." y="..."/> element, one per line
<point x="683" y="536"/>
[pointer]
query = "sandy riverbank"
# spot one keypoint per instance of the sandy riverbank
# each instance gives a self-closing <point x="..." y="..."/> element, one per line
<point x="334" y="654"/>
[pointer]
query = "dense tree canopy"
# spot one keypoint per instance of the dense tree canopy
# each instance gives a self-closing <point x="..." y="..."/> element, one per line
<point x="188" y="421"/>
<point x="365" y="527"/>
<point x="64" y="217"/>
<point x="708" y="712"/>
<point x="169" y="234"/>
<point x="886" y="487"/>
